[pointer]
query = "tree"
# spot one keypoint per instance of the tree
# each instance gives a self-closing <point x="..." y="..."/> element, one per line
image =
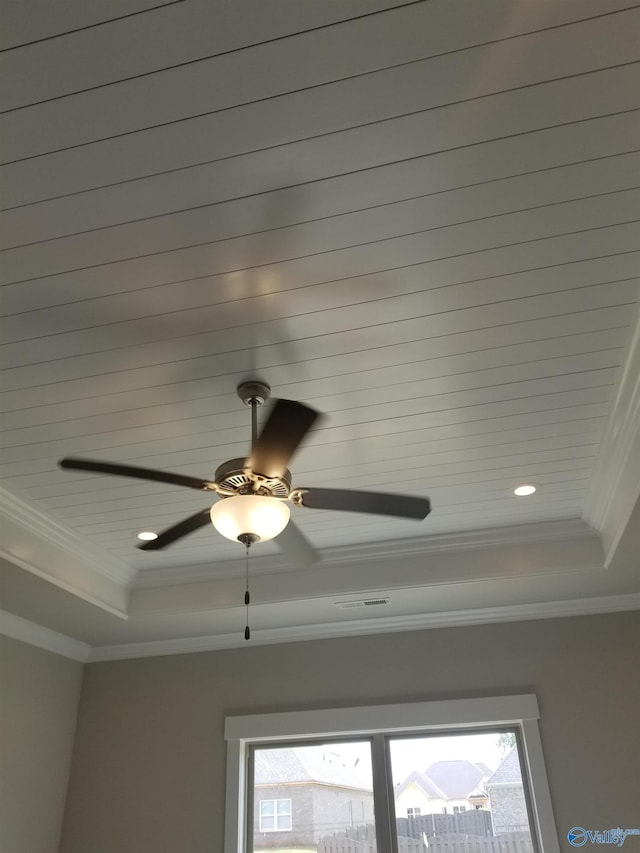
<point x="506" y="742"/>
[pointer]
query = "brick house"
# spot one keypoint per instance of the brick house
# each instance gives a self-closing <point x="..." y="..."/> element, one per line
<point x="304" y="794"/>
<point x="506" y="796"/>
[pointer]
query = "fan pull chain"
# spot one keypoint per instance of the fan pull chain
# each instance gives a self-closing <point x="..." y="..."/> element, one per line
<point x="247" y="596"/>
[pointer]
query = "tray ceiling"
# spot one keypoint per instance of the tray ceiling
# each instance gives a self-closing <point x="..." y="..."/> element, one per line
<point x="420" y="218"/>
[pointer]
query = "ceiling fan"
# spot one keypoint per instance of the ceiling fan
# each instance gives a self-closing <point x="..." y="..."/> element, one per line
<point x="254" y="491"/>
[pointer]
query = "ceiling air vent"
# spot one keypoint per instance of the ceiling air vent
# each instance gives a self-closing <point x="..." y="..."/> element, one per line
<point x="363" y="602"/>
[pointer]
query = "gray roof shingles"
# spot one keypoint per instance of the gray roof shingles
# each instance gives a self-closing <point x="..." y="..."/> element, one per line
<point x="457" y="779"/>
<point x="305" y="764"/>
<point x="508" y="771"/>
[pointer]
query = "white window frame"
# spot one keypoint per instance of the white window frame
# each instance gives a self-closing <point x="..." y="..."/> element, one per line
<point x="377" y="722"/>
<point x="275" y="802"/>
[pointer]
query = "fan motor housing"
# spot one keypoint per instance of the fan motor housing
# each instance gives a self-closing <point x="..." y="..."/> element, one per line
<point x="233" y="478"/>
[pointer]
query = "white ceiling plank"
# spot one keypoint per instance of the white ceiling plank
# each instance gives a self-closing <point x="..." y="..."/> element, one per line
<point x="215" y="225"/>
<point x="299" y="62"/>
<point x="322" y="359"/>
<point x="281" y="277"/>
<point x="46" y="481"/>
<point x="345" y="263"/>
<point x="402" y="416"/>
<point x="72" y="492"/>
<point x="229" y="322"/>
<point x="548" y="482"/>
<point x="46" y="20"/>
<point x="406" y="481"/>
<point x="552" y="472"/>
<point x="402" y="362"/>
<point x="206" y="32"/>
<point x="442" y="524"/>
<point x="389" y="385"/>
<point x="144" y="515"/>
<point x="464" y="479"/>
<point x="30" y="181"/>
<point x="408" y="137"/>
<point x="428" y="242"/>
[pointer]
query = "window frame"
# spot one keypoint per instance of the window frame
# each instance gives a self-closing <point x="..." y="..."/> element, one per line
<point x="378" y="722"/>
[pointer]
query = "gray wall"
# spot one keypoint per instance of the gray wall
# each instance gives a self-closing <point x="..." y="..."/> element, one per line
<point x="148" y="772"/>
<point x="39" y="693"/>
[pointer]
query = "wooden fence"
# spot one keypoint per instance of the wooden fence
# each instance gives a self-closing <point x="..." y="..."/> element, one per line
<point x="473" y="822"/>
<point x="515" y="842"/>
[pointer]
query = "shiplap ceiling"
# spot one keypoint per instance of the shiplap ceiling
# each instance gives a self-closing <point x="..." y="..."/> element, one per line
<point x="420" y="218"/>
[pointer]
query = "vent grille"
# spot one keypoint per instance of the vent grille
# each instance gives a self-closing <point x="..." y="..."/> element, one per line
<point x="237" y="481"/>
<point x="363" y="602"/>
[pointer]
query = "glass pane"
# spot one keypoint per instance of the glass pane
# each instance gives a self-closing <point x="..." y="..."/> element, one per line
<point x="284" y="822"/>
<point x="460" y="794"/>
<point x="320" y="798"/>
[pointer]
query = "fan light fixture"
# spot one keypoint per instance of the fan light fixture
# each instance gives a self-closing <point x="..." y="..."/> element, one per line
<point x="253" y="490"/>
<point x="258" y="516"/>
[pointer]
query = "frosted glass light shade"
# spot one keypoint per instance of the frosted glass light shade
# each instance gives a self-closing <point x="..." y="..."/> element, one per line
<point x="262" y="516"/>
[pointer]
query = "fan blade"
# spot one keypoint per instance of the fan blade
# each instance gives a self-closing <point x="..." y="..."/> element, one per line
<point x="183" y="528"/>
<point x="131" y="471"/>
<point x="378" y="503"/>
<point x="281" y="436"/>
<point x="296" y="547"/>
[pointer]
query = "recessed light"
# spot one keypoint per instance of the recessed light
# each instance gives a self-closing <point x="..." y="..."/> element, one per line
<point x="147" y="536"/>
<point x="521" y="491"/>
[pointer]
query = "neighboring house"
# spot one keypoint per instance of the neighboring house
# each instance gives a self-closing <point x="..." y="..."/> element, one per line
<point x="506" y="796"/>
<point x="446" y="787"/>
<point x="304" y="794"/>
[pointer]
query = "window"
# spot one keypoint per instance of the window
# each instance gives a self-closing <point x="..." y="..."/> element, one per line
<point x="275" y="815"/>
<point x="329" y="790"/>
<point x="408" y="752"/>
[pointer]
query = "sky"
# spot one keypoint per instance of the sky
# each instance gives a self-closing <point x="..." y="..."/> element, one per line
<point x="417" y="753"/>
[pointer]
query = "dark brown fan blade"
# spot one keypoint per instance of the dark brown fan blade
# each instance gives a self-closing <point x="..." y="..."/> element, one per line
<point x="131" y="471"/>
<point x="378" y="503"/>
<point x="296" y="547"/>
<point x="183" y="528"/>
<point x="281" y="436"/>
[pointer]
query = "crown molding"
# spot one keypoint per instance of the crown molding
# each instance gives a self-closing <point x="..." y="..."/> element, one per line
<point x="39" y="524"/>
<point x="44" y="638"/>
<point x="377" y="552"/>
<point x="101" y="599"/>
<point x="378" y="625"/>
<point x="615" y="484"/>
<point x="38" y="543"/>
